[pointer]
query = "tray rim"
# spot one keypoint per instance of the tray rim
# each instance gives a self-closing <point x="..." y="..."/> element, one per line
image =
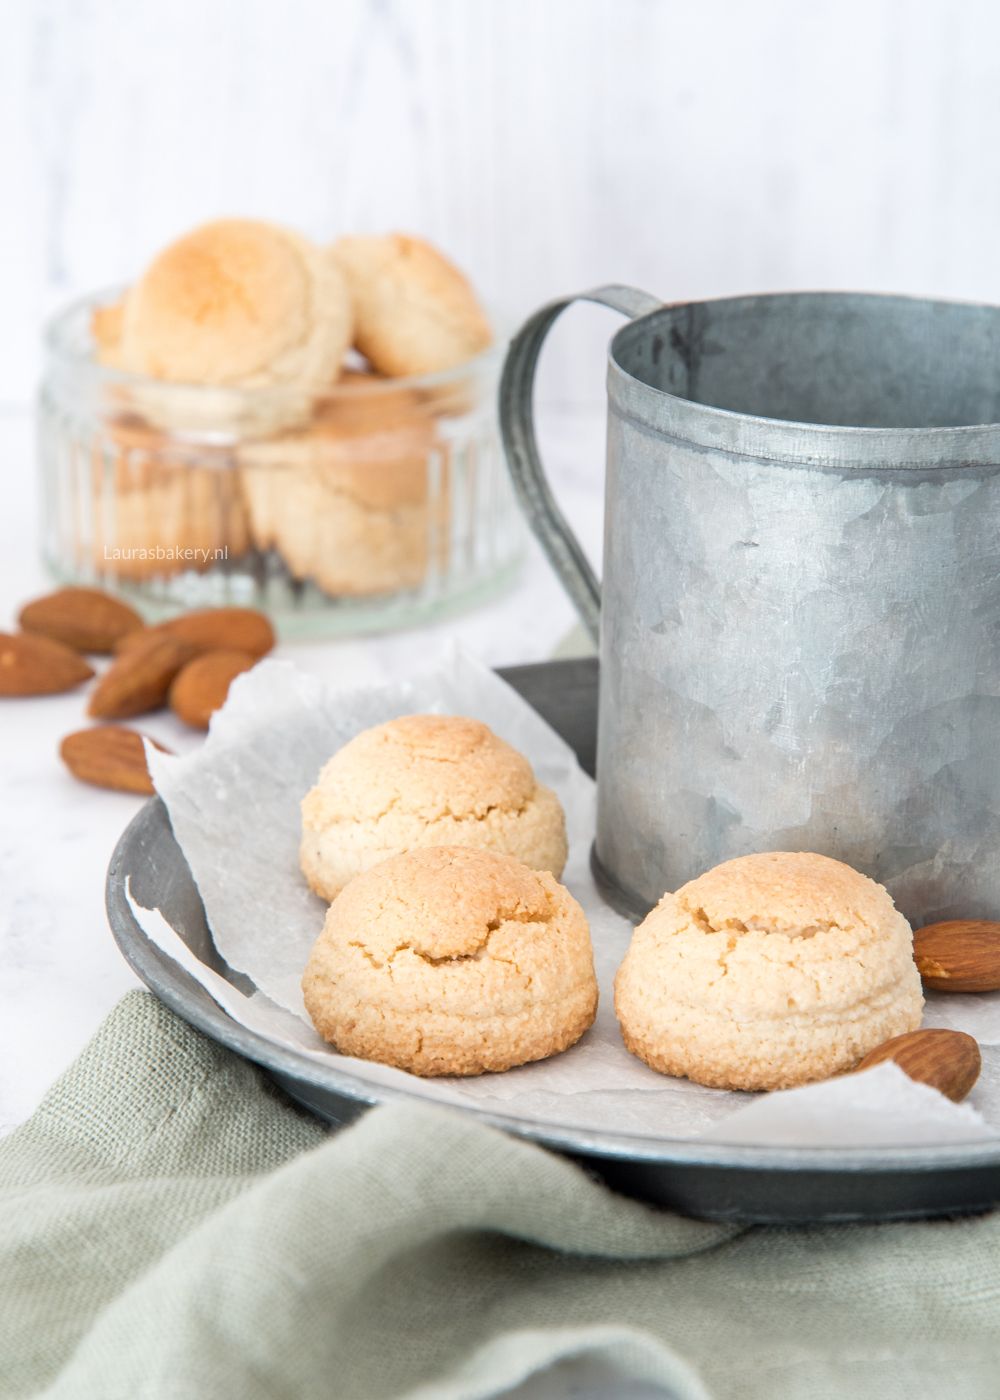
<point x="173" y="989"/>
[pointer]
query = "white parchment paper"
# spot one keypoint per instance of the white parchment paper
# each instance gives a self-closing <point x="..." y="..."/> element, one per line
<point x="234" y="808"/>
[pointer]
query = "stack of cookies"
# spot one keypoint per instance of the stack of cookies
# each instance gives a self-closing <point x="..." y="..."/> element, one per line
<point x="280" y="397"/>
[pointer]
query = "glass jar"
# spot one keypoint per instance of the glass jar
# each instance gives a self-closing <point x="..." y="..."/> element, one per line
<point x="379" y="503"/>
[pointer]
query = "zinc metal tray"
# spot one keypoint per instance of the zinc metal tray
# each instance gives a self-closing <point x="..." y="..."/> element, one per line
<point x="710" y="1180"/>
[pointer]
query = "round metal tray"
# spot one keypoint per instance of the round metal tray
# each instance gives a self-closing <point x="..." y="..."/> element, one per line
<point x="711" y="1180"/>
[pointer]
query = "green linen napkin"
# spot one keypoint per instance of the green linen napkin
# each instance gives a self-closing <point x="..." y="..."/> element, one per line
<point x="171" y="1228"/>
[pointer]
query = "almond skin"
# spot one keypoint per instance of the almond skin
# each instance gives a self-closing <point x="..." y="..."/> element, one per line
<point x="139" y="680"/>
<point x="85" y="619"/>
<point x="31" y="665"/>
<point x="959" y="955"/>
<point x="948" y="1061"/>
<point x="201" y="687"/>
<point x="217" y="629"/>
<point x="109" y="757"/>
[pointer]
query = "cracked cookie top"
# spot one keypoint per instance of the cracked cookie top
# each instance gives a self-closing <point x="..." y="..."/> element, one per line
<point x="430" y="766"/>
<point x="772" y="935"/>
<point x="444" y="904"/>
<point x="452" y="960"/>
<point x="794" y="893"/>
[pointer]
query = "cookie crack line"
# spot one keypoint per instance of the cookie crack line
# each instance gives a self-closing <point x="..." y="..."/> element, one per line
<point x="476" y="954"/>
<point x="733" y="925"/>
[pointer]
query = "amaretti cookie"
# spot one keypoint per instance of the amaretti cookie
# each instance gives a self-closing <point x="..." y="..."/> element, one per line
<point x="766" y="972"/>
<point x="156" y="508"/>
<point x="426" y="780"/>
<point x="238" y="304"/>
<point x="414" y="312"/>
<point x="358" y="501"/>
<point x="452" y="961"/>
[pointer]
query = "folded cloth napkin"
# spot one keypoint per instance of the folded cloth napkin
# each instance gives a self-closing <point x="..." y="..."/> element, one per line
<point x="172" y="1228"/>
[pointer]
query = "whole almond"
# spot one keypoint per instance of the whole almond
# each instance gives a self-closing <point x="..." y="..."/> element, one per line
<point x="217" y="629"/>
<point x="85" y="619"/>
<point x="201" y="687"/>
<point x="948" y="1061"/>
<point x="131" y="640"/>
<point x="32" y="665"/>
<point x="959" y="955"/>
<point x="109" y="757"/>
<point x="139" y="680"/>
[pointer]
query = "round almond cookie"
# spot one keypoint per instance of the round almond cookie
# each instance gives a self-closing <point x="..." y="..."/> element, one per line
<point x="357" y="500"/>
<point x="157" y="508"/>
<point x="452" y="961"/>
<point x="240" y="305"/>
<point x="414" y="312"/>
<point x="238" y="302"/>
<point x="426" y="780"/>
<point x="766" y="972"/>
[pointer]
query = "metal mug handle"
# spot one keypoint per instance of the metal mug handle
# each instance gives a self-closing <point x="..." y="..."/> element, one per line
<point x="517" y="429"/>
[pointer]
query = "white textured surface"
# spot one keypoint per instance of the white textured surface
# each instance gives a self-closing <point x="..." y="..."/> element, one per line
<point x="696" y="149"/>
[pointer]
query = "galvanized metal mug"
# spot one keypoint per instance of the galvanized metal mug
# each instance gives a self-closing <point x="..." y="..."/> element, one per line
<point x="800" y="613"/>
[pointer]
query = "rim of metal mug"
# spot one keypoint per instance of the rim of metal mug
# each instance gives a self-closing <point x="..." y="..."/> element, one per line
<point x="822" y="446"/>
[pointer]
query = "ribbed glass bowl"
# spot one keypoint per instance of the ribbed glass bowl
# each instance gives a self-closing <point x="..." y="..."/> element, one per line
<point x="377" y="504"/>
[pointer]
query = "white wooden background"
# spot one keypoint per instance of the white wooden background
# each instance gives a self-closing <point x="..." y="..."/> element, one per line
<point x="695" y="147"/>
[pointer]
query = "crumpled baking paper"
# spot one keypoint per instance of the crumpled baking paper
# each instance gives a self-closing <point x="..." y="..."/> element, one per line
<point x="234" y="808"/>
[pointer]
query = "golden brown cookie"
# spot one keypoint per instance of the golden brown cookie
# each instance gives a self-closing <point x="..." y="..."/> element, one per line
<point x="768" y="971"/>
<point x="358" y="501"/>
<point x="238" y="302"/>
<point x="426" y="780"/>
<point x="158" y="508"/>
<point x="414" y="312"/>
<point x="452" y="961"/>
<point x="237" y="305"/>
